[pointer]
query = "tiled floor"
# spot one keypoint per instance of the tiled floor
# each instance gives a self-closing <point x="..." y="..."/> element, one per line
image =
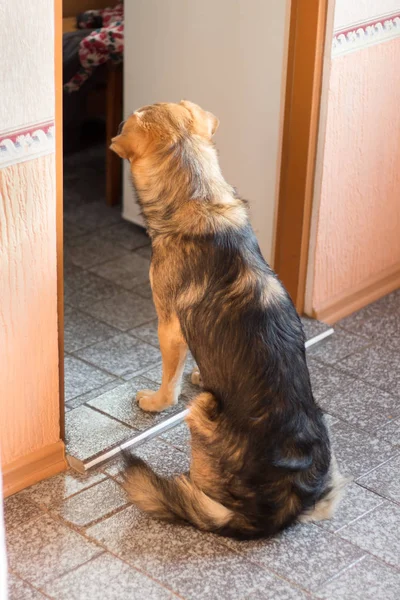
<point x="75" y="537"/>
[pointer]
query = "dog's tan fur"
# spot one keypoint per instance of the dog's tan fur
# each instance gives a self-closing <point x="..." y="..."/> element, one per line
<point x="214" y="293"/>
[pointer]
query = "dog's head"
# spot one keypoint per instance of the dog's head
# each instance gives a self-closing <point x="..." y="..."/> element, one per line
<point x="158" y="126"/>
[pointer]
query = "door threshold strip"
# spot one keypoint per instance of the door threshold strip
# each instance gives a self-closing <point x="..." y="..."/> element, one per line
<point x="82" y="466"/>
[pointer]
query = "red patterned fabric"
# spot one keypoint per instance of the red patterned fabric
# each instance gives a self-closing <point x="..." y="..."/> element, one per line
<point x="101" y="45"/>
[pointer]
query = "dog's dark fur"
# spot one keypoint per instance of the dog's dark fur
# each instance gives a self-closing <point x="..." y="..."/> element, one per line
<point x="261" y="455"/>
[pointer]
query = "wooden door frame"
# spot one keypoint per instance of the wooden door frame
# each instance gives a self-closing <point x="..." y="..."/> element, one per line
<point x="299" y="144"/>
<point x="299" y="149"/>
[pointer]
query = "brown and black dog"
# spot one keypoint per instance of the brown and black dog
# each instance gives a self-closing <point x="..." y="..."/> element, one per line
<point x="261" y="455"/>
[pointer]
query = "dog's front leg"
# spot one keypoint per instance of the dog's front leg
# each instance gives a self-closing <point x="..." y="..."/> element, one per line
<point x="173" y="351"/>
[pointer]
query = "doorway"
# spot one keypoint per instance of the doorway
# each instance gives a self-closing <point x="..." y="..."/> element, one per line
<point x="110" y="334"/>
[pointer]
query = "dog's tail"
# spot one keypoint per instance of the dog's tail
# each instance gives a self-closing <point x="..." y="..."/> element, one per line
<point x="176" y="499"/>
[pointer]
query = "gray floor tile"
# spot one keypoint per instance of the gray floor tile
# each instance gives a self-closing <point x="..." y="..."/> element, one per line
<point x="18" y="510"/>
<point x="92" y="216"/>
<point x="121" y="404"/>
<point x="106" y="578"/>
<point x="391" y="433"/>
<point x="147" y="333"/>
<point x="128" y="271"/>
<point x="361" y="404"/>
<point x="90" y="250"/>
<point x="312" y="327"/>
<point x="368" y="579"/>
<point x="126" y="234"/>
<point x="93" y="289"/>
<point x="122" y="355"/>
<point x="377" y="365"/>
<point x="81" y="330"/>
<point x="45" y="549"/>
<point x="92" y="504"/>
<point x="385" y="480"/>
<point x="144" y="290"/>
<point x="164" y="459"/>
<point x="278" y="589"/>
<point x="356" y="502"/>
<point x="89" y="432"/>
<point x="178" y="436"/>
<point x="305" y="555"/>
<point x="191" y="563"/>
<point x="54" y="490"/>
<point x="74" y="277"/>
<point x="81" y="377"/>
<point x="19" y="590"/>
<point x="378" y="321"/>
<point x="145" y="252"/>
<point x="377" y="533"/>
<point x="341" y="344"/>
<point x="84" y="398"/>
<point x="357" y="451"/>
<point x="325" y="380"/>
<point x="125" y="311"/>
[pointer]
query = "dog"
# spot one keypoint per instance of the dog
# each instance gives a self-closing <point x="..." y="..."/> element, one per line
<point x="260" y="449"/>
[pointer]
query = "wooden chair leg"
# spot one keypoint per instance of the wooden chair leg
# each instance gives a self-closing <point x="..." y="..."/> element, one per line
<point x="113" y="119"/>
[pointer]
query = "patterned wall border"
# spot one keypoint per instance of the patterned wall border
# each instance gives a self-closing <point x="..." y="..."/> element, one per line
<point x="25" y="144"/>
<point x="362" y="35"/>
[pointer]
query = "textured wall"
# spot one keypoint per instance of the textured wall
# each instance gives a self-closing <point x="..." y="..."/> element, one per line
<point x="352" y="11"/>
<point x="27" y="69"/>
<point x="359" y="217"/>
<point x="29" y="411"/>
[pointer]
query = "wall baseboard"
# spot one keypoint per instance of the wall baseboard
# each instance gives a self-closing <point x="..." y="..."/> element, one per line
<point x="354" y="299"/>
<point x="34" y="467"/>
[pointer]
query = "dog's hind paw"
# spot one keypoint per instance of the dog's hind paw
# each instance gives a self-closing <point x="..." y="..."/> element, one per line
<point x="196" y="377"/>
<point x="152" y="401"/>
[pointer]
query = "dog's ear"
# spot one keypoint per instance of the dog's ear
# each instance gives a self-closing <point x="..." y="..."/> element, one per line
<point x="204" y="122"/>
<point x="121" y="146"/>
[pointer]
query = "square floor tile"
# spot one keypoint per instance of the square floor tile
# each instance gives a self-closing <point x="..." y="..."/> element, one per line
<point x="377" y="532"/>
<point x="378" y="321"/>
<point x="122" y="355"/>
<point x="127" y="271"/>
<point x="54" y="490"/>
<point x="121" y="404"/>
<point x="341" y="344"/>
<point x="145" y="251"/>
<point x="45" y="549"/>
<point x="81" y="330"/>
<point x="361" y="404"/>
<point x="93" y="215"/>
<point x="92" y="504"/>
<point x="81" y="377"/>
<point x="385" y="480"/>
<point x="191" y="563"/>
<point x="74" y="277"/>
<point x="124" y="311"/>
<point x="304" y="554"/>
<point x="312" y="327"/>
<point x="391" y="432"/>
<point x="147" y="333"/>
<point x="19" y="509"/>
<point x="126" y="234"/>
<point x="278" y="590"/>
<point x="164" y="459"/>
<point x="84" y="398"/>
<point x="89" y="432"/>
<point x="90" y="250"/>
<point x="106" y="578"/>
<point x="326" y="380"/>
<point x="93" y="289"/>
<point x="368" y="579"/>
<point x="377" y="365"/>
<point x="19" y="590"/>
<point x="356" y="502"/>
<point x="178" y="436"/>
<point x="144" y="290"/>
<point x="357" y="451"/>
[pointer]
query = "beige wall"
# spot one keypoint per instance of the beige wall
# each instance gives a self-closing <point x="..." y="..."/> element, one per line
<point x="29" y="394"/>
<point x="355" y="252"/>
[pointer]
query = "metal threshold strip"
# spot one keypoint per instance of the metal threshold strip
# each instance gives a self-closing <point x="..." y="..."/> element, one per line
<point x="144" y="436"/>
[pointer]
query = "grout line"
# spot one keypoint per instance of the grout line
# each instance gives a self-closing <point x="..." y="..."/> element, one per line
<point x="350" y="566"/>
